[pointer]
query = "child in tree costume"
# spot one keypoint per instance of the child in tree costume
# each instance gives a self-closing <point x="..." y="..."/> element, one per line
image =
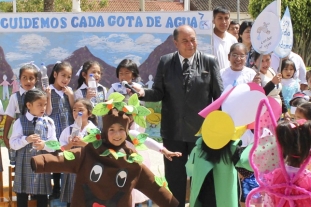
<point x="107" y="170"/>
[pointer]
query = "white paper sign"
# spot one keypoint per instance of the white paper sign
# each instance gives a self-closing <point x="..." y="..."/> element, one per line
<point x="266" y="32"/>
<point x="286" y="44"/>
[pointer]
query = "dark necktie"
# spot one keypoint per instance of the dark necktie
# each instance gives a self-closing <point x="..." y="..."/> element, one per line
<point x="186" y="74"/>
<point x="34" y="121"/>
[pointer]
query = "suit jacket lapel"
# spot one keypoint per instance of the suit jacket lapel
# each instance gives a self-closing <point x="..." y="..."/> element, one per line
<point x="178" y="68"/>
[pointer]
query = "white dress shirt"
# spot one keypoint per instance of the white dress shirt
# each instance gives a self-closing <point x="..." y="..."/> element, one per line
<point x="13" y="107"/>
<point x="63" y="139"/>
<point x="18" y="139"/>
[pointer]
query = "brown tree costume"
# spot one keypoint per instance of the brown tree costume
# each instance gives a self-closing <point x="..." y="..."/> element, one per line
<point x="104" y="181"/>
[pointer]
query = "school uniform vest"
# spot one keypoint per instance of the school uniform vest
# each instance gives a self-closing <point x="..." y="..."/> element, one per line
<point x="20" y="100"/>
<point x="26" y="181"/>
<point x="101" y="95"/>
<point x="61" y="113"/>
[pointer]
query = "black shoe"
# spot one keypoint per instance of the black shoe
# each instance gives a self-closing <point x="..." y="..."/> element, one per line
<point x="55" y="195"/>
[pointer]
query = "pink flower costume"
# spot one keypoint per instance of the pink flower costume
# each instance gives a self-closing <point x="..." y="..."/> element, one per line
<point x="279" y="185"/>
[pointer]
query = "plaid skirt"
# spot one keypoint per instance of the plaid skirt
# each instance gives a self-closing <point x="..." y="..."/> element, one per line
<point x="26" y="181"/>
<point x="68" y="184"/>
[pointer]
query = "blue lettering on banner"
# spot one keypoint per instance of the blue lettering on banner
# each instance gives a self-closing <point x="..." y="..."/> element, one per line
<point x="21" y="22"/>
<point x="11" y="23"/>
<point x="85" y="21"/>
<point x="129" y="19"/>
<point x="73" y="23"/>
<point x="35" y="23"/>
<point x="100" y="22"/>
<point x="92" y="21"/>
<point x="111" y="20"/>
<point x="54" y="23"/>
<point x="3" y="24"/>
<point x="45" y="23"/>
<point x="139" y="22"/>
<point x="157" y="21"/>
<point x="27" y="23"/>
<point x="178" y="21"/>
<point x="63" y="22"/>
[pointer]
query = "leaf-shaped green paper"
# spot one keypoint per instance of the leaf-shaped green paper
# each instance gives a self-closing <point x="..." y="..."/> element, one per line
<point x="134" y="157"/>
<point x="120" y="154"/>
<point x="143" y="111"/>
<point x="116" y="97"/>
<point x="134" y="111"/>
<point x="140" y="121"/>
<point x="128" y="109"/>
<point x="119" y="105"/>
<point x="91" y="137"/>
<point x="53" y="145"/>
<point x="100" y="109"/>
<point x="105" y="153"/>
<point x="69" y="155"/>
<point x="139" y="140"/>
<point x="97" y="143"/>
<point x="133" y="100"/>
<point x="114" y="154"/>
<point x="161" y="181"/>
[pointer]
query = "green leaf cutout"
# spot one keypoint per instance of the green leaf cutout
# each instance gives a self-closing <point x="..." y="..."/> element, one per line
<point x="53" y="145"/>
<point x="97" y="143"/>
<point x="128" y="109"/>
<point x="134" y="157"/>
<point x="69" y="155"/>
<point x="119" y="105"/>
<point x="139" y="140"/>
<point x="121" y="154"/>
<point x="116" y="97"/>
<point x="161" y="181"/>
<point x="133" y="100"/>
<point x="91" y="137"/>
<point x="105" y="153"/>
<point x="100" y="109"/>
<point x="143" y="111"/>
<point x="140" y="121"/>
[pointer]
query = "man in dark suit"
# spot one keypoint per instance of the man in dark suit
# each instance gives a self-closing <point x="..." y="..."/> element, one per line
<point x="186" y="82"/>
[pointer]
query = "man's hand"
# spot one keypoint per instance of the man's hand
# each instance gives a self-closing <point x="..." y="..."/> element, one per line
<point x="140" y="90"/>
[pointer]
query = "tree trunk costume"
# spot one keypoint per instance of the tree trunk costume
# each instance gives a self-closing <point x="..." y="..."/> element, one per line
<point x="106" y="174"/>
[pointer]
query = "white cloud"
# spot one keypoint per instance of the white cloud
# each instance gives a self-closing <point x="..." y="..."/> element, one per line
<point x="135" y="58"/>
<point x="12" y="56"/>
<point x="203" y="45"/>
<point x="58" y="53"/>
<point x="32" y="43"/>
<point x="121" y="43"/>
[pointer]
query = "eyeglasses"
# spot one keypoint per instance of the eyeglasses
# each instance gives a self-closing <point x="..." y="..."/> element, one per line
<point x="236" y="56"/>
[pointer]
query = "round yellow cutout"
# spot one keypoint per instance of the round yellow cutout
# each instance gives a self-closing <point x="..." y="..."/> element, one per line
<point x="217" y="129"/>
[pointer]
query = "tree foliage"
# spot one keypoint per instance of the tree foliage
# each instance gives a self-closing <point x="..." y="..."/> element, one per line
<point x="300" y="11"/>
<point x="59" y="5"/>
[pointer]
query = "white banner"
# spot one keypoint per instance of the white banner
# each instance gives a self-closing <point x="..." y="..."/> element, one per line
<point x="152" y="22"/>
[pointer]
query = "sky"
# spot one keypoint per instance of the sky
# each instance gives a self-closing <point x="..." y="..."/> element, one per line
<point x="49" y="47"/>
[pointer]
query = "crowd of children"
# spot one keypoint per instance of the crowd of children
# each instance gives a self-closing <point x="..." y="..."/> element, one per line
<point x="57" y="108"/>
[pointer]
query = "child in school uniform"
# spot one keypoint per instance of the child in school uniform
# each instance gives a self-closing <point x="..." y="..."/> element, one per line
<point x="59" y="106"/>
<point x="28" y="144"/>
<point x="107" y="170"/>
<point x="88" y="122"/>
<point x="127" y="70"/>
<point x="88" y="68"/>
<point x="28" y="76"/>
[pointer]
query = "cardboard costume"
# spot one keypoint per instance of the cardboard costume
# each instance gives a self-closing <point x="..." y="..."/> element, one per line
<point x="106" y="174"/>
